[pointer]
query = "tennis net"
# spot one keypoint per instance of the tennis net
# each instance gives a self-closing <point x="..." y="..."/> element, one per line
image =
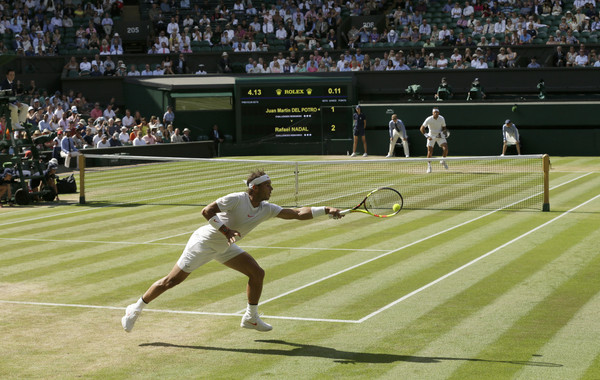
<point x="469" y="183"/>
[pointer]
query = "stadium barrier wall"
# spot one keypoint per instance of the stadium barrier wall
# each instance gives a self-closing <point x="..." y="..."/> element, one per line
<point x="195" y="149"/>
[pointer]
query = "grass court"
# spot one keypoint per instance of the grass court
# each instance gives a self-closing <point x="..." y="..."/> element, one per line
<point x="427" y="294"/>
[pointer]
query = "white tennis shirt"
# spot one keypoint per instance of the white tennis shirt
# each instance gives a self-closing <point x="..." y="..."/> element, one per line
<point x="238" y="214"/>
<point x="435" y="126"/>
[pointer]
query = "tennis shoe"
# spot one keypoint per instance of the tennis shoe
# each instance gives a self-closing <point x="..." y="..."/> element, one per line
<point x="255" y="323"/>
<point x="428" y="168"/>
<point x="389" y="156"/>
<point x="444" y="164"/>
<point x="353" y="155"/>
<point x="365" y="155"/>
<point x="131" y="315"/>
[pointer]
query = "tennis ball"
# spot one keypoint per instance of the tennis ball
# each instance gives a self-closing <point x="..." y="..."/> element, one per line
<point x="396" y="207"/>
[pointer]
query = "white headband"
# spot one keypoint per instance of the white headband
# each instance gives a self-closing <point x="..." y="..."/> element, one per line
<point x="257" y="181"/>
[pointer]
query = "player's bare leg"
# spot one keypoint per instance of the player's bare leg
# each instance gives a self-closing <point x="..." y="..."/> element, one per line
<point x="444" y="155"/>
<point x="354" y="143"/>
<point x="518" y="149"/>
<point x="503" y="149"/>
<point x="246" y="264"/>
<point x="174" y="278"/>
<point x="429" y="155"/>
<point x="133" y="311"/>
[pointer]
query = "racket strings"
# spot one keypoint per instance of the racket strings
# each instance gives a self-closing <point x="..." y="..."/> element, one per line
<point x="382" y="201"/>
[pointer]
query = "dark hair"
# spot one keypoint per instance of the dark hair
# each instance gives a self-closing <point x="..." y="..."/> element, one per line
<point x="9" y="70"/>
<point x="254" y="175"/>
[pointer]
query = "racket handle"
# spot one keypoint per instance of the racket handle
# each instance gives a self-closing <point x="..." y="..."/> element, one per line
<point x="343" y="212"/>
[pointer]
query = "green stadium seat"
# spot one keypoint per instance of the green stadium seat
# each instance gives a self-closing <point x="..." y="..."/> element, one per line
<point x="72" y="74"/>
<point x="592" y="40"/>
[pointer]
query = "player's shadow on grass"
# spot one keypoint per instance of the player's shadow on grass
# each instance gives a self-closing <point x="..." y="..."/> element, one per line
<point x="344" y="357"/>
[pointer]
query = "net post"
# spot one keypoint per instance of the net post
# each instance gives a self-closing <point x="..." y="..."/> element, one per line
<point x="546" y="167"/>
<point x="297" y="187"/>
<point x="81" y="159"/>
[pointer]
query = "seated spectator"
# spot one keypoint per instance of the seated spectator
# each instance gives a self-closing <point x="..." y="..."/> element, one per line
<point x="511" y="57"/>
<point x="139" y="139"/>
<point x="158" y="70"/>
<point x="176" y="137"/>
<point x="442" y="62"/>
<point x="478" y="63"/>
<point x="103" y="142"/>
<point x="72" y="65"/>
<point x="501" y="58"/>
<point x="224" y="65"/>
<point x="533" y="64"/>
<point x="186" y="135"/>
<point x="581" y="59"/>
<point x="456" y="11"/>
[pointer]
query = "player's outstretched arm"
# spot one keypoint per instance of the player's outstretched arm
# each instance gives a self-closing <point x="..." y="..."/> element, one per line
<point x="305" y="213"/>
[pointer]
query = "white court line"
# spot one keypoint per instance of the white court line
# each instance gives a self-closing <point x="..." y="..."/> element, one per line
<point x="408" y="245"/>
<point x="475" y="260"/>
<point x="183" y="245"/>
<point x="168" y="237"/>
<point x="178" y="311"/>
<point x="314" y="282"/>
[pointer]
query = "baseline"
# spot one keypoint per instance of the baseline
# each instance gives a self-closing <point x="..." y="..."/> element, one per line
<point x="177" y="311"/>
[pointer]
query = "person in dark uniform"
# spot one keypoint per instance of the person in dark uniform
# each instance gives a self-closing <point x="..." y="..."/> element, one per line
<point x="49" y="174"/>
<point x="217" y="137"/>
<point x="360" y="124"/>
<point x="6" y="178"/>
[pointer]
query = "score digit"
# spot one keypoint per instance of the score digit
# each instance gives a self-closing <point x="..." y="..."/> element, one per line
<point x="334" y="91"/>
<point x="332" y="127"/>
<point x="255" y="92"/>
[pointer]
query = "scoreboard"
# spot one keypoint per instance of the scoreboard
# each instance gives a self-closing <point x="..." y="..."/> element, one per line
<point x="294" y="109"/>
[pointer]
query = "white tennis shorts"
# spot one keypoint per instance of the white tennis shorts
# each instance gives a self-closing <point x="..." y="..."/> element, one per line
<point x="198" y="252"/>
<point x="438" y="140"/>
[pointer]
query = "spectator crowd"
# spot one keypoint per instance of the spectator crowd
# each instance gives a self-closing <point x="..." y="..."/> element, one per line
<point x="302" y="33"/>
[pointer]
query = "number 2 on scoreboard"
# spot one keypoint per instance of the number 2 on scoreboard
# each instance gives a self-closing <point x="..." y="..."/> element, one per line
<point x="332" y="127"/>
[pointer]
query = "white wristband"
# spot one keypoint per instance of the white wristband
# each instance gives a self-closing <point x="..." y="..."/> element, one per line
<point x="215" y="222"/>
<point x="317" y="211"/>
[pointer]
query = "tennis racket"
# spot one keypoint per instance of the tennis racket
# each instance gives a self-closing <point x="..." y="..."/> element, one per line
<point x="444" y="134"/>
<point x="379" y="203"/>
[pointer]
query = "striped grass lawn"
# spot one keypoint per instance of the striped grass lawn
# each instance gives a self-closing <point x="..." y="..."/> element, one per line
<point x="429" y="294"/>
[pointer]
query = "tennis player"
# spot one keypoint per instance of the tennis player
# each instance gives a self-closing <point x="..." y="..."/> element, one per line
<point x="510" y="136"/>
<point x="229" y="219"/>
<point x="436" y="125"/>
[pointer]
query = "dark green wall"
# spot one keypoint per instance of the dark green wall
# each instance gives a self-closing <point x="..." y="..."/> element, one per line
<point x="201" y="122"/>
<point x="553" y="128"/>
